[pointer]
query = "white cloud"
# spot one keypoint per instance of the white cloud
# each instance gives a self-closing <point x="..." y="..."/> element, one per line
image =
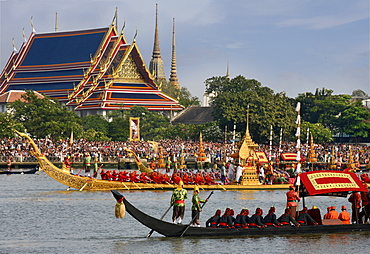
<point x="322" y="22"/>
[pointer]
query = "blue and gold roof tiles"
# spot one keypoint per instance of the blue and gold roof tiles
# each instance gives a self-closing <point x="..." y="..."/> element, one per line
<point x="87" y="69"/>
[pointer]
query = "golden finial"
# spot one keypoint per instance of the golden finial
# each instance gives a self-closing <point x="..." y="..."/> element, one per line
<point x="134" y="40"/>
<point x="24" y="36"/>
<point x="124" y="25"/>
<point x="14" y="48"/>
<point x="33" y="27"/>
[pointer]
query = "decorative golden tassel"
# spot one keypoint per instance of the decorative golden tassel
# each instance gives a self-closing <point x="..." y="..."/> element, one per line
<point x="120" y="210"/>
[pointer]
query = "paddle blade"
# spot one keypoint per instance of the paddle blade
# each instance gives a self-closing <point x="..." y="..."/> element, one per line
<point x="120" y="210"/>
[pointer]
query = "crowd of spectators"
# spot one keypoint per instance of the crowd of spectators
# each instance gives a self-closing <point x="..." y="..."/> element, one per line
<point x="18" y="150"/>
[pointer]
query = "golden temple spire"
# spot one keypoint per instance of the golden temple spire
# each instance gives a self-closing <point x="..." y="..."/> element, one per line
<point x="228" y="69"/>
<point x="173" y="76"/>
<point x="247" y="120"/>
<point x="156" y="65"/>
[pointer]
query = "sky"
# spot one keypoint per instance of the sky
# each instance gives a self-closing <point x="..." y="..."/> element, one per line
<point x="291" y="46"/>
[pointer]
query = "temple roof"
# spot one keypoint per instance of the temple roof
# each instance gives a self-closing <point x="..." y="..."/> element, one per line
<point x="12" y="96"/>
<point x="84" y="68"/>
<point x="194" y="115"/>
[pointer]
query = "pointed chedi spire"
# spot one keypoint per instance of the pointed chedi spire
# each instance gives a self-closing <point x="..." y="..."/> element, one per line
<point x="173" y="76"/>
<point x="156" y="66"/>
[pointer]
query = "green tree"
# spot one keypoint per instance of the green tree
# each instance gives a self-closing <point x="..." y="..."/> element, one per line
<point x="359" y="93"/>
<point x="212" y="132"/>
<point x="8" y="124"/>
<point x="232" y="97"/>
<point x="44" y="117"/>
<point x="354" y="120"/>
<point x="319" y="133"/>
<point x="170" y="90"/>
<point x="93" y="135"/>
<point x="186" y="99"/>
<point x="118" y="129"/>
<point x="152" y="124"/>
<point x="337" y="112"/>
<point x="183" y="95"/>
<point x="95" y="122"/>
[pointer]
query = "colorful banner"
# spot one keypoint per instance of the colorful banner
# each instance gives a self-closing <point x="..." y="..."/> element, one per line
<point x="261" y="157"/>
<point x="290" y="157"/>
<point x="326" y="181"/>
<point x="134" y="129"/>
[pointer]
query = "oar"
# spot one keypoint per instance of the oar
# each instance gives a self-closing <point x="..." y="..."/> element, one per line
<point x="89" y="179"/>
<point x="151" y="231"/>
<point x="85" y="184"/>
<point x="136" y="185"/>
<point x="125" y="185"/>
<point x="219" y="185"/>
<point x="192" y="220"/>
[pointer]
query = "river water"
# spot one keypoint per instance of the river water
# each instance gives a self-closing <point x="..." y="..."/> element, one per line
<point x="38" y="215"/>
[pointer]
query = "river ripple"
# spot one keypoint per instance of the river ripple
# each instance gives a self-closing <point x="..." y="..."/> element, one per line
<point x="38" y="215"/>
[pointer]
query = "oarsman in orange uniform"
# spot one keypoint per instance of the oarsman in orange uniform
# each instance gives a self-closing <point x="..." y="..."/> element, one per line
<point x="333" y="214"/>
<point x="355" y="200"/>
<point x="327" y="215"/>
<point x="292" y="201"/>
<point x="344" y="216"/>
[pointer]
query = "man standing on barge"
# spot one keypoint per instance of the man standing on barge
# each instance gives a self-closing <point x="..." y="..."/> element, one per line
<point x="178" y="201"/>
<point x="292" y="201"/>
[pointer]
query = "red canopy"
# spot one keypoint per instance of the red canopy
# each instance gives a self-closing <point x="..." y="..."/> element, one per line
<point x="329" y="182"/>
<point x="262" y="158"/>
<point x="290" y="157"/>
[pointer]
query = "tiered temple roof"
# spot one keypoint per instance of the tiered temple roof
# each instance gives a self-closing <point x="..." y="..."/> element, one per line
<point x="89" y="69"/>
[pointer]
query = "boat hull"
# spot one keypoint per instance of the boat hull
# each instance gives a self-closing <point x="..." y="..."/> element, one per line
<point x="92" y="184"/>
<point x="15" y="171"/>
<point x="174" y="230"/>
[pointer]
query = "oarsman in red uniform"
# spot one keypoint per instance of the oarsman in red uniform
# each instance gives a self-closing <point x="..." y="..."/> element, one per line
<point x="109" y="175"/>
<point x="152" y="165"/>
<point x="144" y="178"/>
<point x="176" y="178"/>
<point x="134" y="177"/>
<point x="286" y="219"/>
<point x="333" y="214"/>
<point x="292" y="201"/>
<point x="355" y="200"/>
<point x="304" y="217"/>
<point x="123" y="176"/>
<point x="103" y="175"/>
<point x="344" y="216"/>
<point x="115" y="175"/>
<point x="164" y="178"/>
<point x="186" y="178"/>
<point x="209" y="179"/>
<point x="155" y="177"/>
<point x="270" y="219"/>
<point x="214" y="220"/>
